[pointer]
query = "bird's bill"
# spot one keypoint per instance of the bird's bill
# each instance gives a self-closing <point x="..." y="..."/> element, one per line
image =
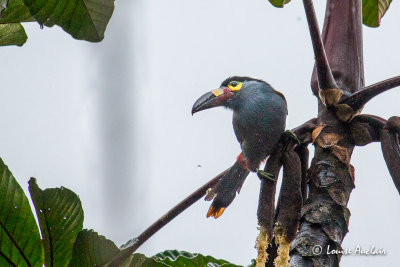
<point x="214" y="98"/>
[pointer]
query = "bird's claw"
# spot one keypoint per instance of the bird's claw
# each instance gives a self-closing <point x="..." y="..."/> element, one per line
<point x="265" y="175"/>
<point x="292" y="135"/>
<point x="210" y="194"/>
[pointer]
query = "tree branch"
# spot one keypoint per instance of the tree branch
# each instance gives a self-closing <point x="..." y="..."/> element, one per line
<point x="267" y="215"/>
<point x="132" y="245"/>
<point x="266" y="207"/>
<point x="357" y="100"/>
<point x="373" y="120"/>
<point x="393" y="124"/>
<point x="303" y="132"/>
<point x="325" y="77"/>
<point x="303" y="153"/>
<point x="391" y="154"/>
<point x="289" y="202"/>
<point x="366" y="129"/>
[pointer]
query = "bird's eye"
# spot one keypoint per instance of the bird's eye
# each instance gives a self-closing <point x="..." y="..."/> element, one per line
<point x="235" y="86"/>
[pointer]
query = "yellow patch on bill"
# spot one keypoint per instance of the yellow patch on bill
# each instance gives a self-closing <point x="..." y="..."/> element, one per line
<point x="217" y="92"/>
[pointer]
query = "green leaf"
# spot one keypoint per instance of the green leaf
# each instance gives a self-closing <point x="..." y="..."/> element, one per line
<point x="279" y="3"/>
<point x="175" y="258"/>
<point x="20" y="243"/>
<point x="15" y="12"/>
<point x="92" y="249"/>
<point x="140" y="260"/>
<point x="182" y="258"/>
<point x="12" y="34"/>
<point x="373" y="11"/>
<point x="60" y="215"/>
<point x="83" y="19"/>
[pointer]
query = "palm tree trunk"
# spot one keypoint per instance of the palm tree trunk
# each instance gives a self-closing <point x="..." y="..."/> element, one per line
<point x="325" y="215"/>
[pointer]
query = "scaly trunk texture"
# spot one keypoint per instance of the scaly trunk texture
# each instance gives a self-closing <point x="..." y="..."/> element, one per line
<point x="325" y="215"/>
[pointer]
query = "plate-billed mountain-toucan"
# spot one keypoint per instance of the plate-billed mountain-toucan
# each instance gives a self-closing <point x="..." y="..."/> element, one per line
<point x="259" y="118"/>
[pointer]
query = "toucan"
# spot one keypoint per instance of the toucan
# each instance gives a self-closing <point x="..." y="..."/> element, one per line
<point x="259" y="120"/>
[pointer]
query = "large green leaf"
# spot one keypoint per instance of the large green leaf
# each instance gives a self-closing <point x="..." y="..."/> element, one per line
<point x="373" y="11"/>
<point x="279" y="3"/>
<point x="12" y="34"/>
<point x="60" y="215"/>
<point x="140" y="260"/>
<point x="20" y="243"/>
<point x="182" y="258"/>
<point x="175" y="258"/>
<point x="83" y="19"/>
<point x="91" y="249"/>
<point x="16" y="11"/>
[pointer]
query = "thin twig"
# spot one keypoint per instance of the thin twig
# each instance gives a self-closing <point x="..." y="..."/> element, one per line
<point x="164" y="220"/>
<point x="357" y="100"/>
<point x="325" y="76"/>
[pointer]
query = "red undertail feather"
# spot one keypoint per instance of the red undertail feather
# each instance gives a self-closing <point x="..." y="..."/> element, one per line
<point x="242" y="161"/>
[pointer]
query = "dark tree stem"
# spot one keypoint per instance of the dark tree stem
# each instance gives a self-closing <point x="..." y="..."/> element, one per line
<point x="325" y="215"/>
<point x="373" y="120"/>
<point x="357" y="100"/>
<point x="304" y="131"/>
<point x="391" y="154"/>
<point x="303" y="153"/>
<point x="266" y="208"/>
<point x="325" y="77"/>
<point x="366" y="129"/>
<point x="132" y="245"/>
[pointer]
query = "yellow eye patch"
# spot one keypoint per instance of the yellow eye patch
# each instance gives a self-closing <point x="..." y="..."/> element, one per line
<point x="235" y="86"/>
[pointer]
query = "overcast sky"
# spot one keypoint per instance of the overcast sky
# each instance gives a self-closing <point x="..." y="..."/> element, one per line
<point x="112" y="121"/>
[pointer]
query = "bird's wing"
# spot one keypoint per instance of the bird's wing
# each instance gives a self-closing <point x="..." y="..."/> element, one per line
<point x="238" y="128"/>
<point x="283" y="97"/>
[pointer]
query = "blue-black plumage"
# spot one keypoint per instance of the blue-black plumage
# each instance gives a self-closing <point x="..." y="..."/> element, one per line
<point x="259" y="118"/>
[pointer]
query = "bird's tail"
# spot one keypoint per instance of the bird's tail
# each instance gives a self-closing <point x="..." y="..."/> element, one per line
<point x="225" y="190"/>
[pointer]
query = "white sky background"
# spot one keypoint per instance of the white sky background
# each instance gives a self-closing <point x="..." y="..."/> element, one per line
<point x="168" y="53"/>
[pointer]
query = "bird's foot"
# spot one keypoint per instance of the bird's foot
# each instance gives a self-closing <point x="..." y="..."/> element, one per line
<point x="292" y="136"/>
<point x="265" y="175"/>
<point x="210" y="194"/>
